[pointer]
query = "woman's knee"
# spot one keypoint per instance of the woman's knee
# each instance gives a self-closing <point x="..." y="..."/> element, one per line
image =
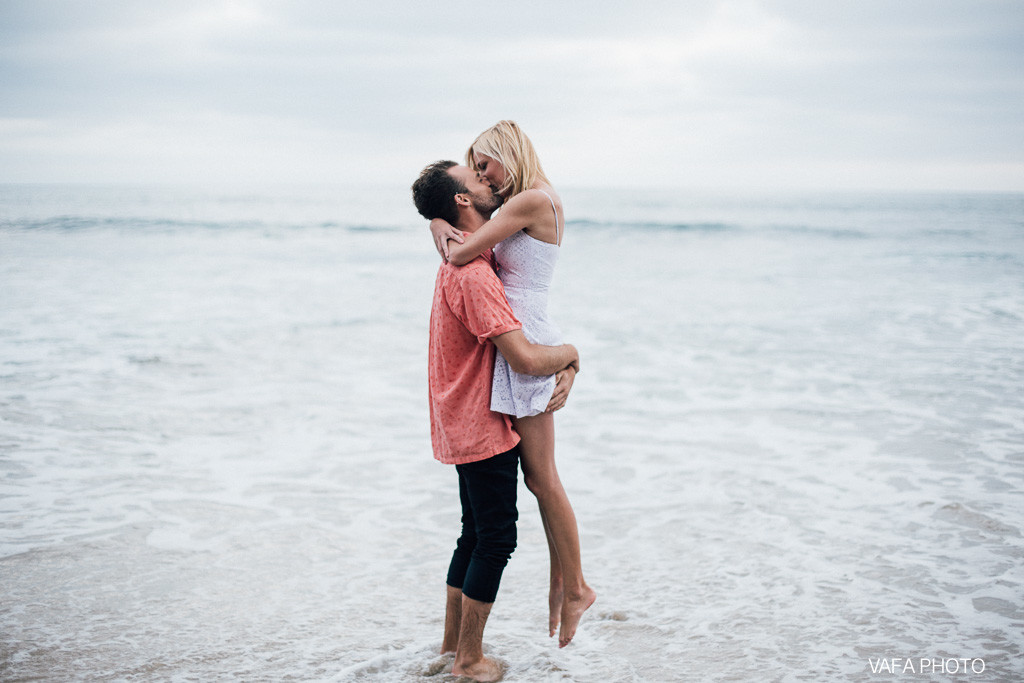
<point x="543" y="485"/>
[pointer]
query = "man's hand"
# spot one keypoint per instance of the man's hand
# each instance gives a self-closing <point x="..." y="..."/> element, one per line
<point x="563" y="384"/>
<point x="442" y="232"/>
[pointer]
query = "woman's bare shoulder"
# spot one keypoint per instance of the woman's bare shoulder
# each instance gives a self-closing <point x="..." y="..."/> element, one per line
<point x="535" y="199"/>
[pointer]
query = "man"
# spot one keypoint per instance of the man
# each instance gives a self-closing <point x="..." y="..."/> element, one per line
<point x="469" y="318"/>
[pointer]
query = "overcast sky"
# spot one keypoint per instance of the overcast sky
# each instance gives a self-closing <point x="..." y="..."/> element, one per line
<point x="833" y="94"/>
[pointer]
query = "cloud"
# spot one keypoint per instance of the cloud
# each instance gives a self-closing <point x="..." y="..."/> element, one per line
<point x="736" y="93"/>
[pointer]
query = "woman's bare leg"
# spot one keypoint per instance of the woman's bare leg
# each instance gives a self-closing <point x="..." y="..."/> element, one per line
<point x="537" y="448"/>
<point x="555" y="593"/>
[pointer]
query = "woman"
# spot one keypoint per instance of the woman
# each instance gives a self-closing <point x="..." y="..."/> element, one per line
<point x="526" y="235"/>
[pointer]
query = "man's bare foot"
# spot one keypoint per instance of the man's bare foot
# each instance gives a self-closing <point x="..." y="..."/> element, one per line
<point x="573" y="608"/>
<point x="442" y="664"/>
<point x="555" y="598"/>
<point x="484" y="670"/>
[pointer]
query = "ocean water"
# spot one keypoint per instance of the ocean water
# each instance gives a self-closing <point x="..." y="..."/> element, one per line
<point x="795" y="449"/>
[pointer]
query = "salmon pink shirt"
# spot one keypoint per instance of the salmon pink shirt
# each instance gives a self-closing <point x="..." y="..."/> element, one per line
<point x="469" y="309"/>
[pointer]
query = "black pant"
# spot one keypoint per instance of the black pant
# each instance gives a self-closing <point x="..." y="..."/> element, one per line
<point x="487" y="490"/>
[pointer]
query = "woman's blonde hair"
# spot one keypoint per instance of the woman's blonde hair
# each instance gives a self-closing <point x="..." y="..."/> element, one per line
<point x="507" y="143"/>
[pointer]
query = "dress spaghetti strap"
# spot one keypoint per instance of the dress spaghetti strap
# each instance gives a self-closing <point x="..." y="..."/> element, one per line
<point x="558" y="236"/>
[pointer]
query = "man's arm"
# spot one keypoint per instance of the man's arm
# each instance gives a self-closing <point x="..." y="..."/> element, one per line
<point x="563" y="385"/>
<point x="535" y="359"/>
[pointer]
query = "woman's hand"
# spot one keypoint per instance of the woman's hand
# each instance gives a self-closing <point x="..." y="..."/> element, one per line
<point x="442" y="232"/>
<point x="563" y="383"/>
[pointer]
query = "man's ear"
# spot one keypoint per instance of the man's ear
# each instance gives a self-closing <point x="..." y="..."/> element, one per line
<point x="462" y="200"/>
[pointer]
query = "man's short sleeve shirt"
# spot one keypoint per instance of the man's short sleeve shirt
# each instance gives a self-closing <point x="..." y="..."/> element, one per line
<point x="469" y="308"/>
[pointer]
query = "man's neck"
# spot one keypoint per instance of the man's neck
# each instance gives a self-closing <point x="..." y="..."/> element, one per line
<point x="470" y="221"/>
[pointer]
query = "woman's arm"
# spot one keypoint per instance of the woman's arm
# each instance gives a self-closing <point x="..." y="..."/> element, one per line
<point x="443" y="231"/>
<point x="521" y="212"/>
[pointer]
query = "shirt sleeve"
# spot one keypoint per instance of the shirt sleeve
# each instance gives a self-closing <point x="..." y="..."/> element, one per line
<point x="478" y="300"/>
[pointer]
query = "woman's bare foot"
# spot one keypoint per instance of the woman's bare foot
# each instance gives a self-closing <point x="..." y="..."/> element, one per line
<point x="484" y="670"/>
<point x="555" y="599"/>
<point x="573" y="608"/>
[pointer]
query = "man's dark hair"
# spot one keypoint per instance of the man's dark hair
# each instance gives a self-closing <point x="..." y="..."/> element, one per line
<point x="434" y="192"/>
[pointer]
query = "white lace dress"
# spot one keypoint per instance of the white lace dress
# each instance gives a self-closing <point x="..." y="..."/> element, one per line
<point x="526" y="266"/>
